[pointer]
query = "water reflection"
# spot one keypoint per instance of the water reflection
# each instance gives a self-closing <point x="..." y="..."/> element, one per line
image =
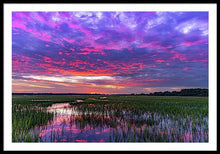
<point x="60" y="109"/>
<point x="71" y="124"/>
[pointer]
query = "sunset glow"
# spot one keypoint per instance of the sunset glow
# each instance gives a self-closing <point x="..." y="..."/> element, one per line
<point x="109" y="52"/>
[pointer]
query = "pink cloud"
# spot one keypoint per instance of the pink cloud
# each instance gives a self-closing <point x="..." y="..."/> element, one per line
<point x="72" y="49"/>
<point x="68" y="40"/>
<point x="47" y="59"/>
<point x="188" y="43"/>
<point x="89" y="50"/>
<point x="186" y="69"/>
<point x="177" y="55"/>
<point x="160" y="61"/>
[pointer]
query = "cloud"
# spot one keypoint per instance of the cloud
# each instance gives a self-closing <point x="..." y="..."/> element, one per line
<point x="70" y="79"/>
<point x="111" y="49"/>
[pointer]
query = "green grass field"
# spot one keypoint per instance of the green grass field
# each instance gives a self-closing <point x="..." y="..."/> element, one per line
<point x="167" y="118"/>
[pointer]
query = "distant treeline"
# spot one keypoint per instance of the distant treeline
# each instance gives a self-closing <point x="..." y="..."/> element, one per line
<point x="183" y="92"/>
<point x="53" y="94"/>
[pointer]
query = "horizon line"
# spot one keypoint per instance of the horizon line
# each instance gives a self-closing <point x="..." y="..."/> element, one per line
<point x="73" y="93"/>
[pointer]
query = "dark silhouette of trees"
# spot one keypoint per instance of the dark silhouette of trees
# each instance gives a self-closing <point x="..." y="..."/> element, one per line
<point x="183" y="92"/>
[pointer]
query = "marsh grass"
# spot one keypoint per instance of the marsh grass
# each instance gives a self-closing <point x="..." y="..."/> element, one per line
<point x="25" y="117"/>
<point x="127" y="119"/>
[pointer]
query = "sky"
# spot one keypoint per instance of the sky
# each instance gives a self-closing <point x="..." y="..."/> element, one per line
<point x="109" y="52"/>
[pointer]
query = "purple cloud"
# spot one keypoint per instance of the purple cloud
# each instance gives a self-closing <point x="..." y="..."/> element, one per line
<point x="135" y="49"/>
